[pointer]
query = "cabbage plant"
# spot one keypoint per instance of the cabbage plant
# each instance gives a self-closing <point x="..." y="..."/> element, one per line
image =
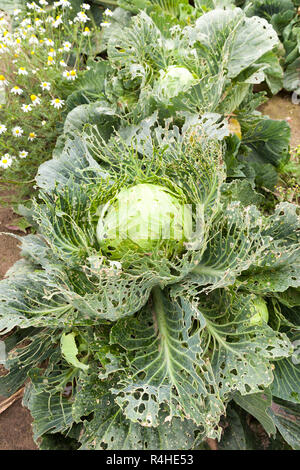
<point x="149" y="350"/>
<point x="178" y="69"/>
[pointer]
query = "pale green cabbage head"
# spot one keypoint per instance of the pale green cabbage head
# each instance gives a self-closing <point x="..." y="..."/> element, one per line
<point x="143" y="218"/>
<point x="261" y="312"/>
<point x="174" y="80"/>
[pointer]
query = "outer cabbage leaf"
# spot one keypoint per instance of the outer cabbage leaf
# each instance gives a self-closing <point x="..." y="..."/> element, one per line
<point x="278" y="268"/>
<point x="166" y="341"/>
<point x="286" y="416"/>
<point x="166" y="366"/>
<point x="108" y="429"/>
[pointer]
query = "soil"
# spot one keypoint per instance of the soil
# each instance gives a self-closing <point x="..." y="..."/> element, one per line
<point x="281" y="107"/>
<point x="15" y="422"/>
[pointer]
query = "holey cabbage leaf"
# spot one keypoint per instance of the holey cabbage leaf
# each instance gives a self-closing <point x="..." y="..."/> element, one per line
<point x="201" y="67"/>
<point x="197" y="69"/>
<point x="143" y="349"/>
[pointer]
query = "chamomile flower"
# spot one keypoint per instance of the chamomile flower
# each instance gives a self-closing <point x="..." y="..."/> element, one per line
<point x="86" y="31"/>
<point x="22" y="34"/>
<point x="25" y="22"/>
<point x="57" y="21"/>
<point x="38" y="22"/>
<point x="62" y="63"/>
<point x="70" y="75"/>
<point x="45" y="86"/>
<point x="82" y="17"/>
<point x="3" y="22"/>
<point x="3" y="80"/>
<point x="5" y="161"/>
<point x="108" y="12"/>
<point x="67" y="46"/>
<point x="85" y="6"/>
<point x="105" y="24"/>
<point x="22" y="71"/>
<point x="35" y="100"/>
<point x="33" y="39"/>
<point x="16" y="90"/>
<point x="29" y="28"/>
<point x="50" y="61"/>
<point x="7" y="38"/>
<point x="3" y="48"/>
<point x="23" y="154"/>
<point x="26" y="108"/>
<point x="17" y="131"/>
<point x="65" y="3"/>
<point x="17" y="11"/>
<point x="49" y="42"/>
<point x="33" y="6"/>
<point x="44" y="3"/>
<point x="52" y="52"/>
<point x="57" y="103"/>
<point x="3" y="129"/>
<point x="73" y="74"/>
<point x="66" y="74"/>
<point x="32" y="136"/>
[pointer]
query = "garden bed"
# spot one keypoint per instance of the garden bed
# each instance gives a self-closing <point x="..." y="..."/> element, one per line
<point x="155" y="198"/>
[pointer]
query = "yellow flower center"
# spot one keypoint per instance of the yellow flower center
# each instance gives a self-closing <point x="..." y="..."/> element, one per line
<point x="73" y="72"/>
<point x="4" y="160"/>
<point x="57" y="101"/>
<point x="32" y="134"/>
<point x="2" y="78"/>
<point x="50" y="58"/>
<point x="33" y="97"/>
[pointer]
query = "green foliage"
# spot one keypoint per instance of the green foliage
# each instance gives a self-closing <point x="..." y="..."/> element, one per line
<point x="163" y="343"/>
<point x="282" y="14"/>
<point x="147" y="353"/>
